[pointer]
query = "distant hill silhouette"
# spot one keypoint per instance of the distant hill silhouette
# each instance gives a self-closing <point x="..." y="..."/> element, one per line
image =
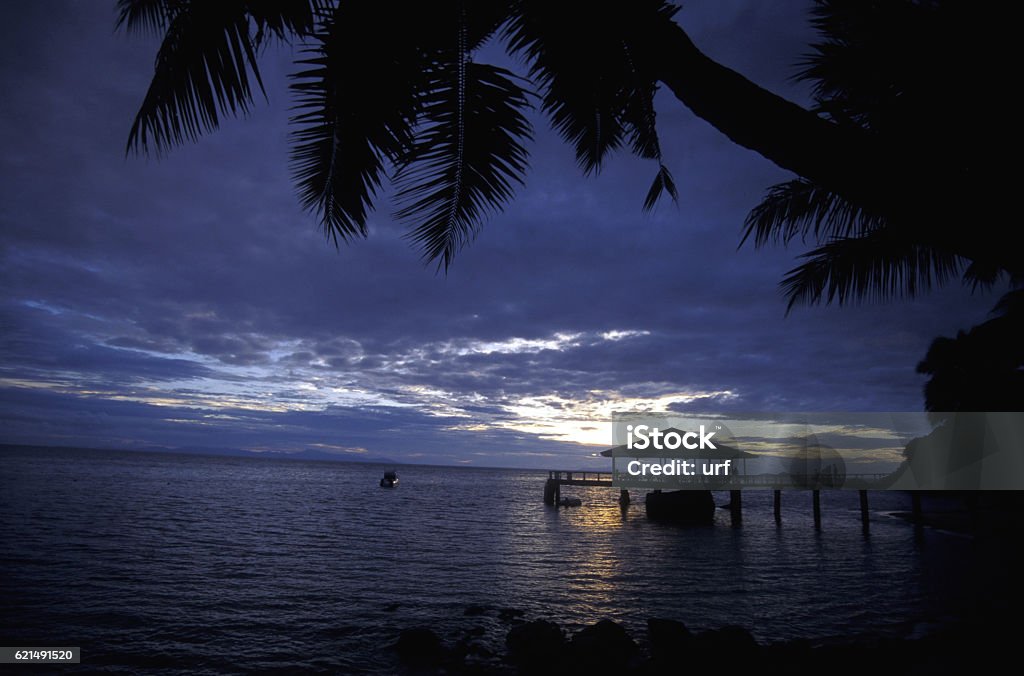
<point x="307" y="454"/>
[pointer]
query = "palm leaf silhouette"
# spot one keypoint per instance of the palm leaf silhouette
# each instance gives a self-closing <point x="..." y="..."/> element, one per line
<point x="875" y="266"/>
<point x="598" y="88"/>
<point x="467" y="157"/>
<point x="391" y="93"/>
<point x="206" y="64"/>
<point x="351" y="119"/>
<point x="867" y="72"/>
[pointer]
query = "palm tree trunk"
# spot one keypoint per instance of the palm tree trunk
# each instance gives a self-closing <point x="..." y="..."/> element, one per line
<point x="789" y="135"/>
<point x="935" y="204"/>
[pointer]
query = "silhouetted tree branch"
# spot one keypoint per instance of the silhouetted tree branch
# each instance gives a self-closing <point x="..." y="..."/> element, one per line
<point x="885" y="138"/>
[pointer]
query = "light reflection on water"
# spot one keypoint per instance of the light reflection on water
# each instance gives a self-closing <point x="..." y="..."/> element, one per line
<point x="191" y="558"/>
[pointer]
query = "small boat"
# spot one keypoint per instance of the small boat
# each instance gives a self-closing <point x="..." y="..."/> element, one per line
<point x="390" y="480"/>
<point x="570" y="502"/>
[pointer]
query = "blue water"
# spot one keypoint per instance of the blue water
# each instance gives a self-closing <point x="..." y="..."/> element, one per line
<point x="212" y="563"/>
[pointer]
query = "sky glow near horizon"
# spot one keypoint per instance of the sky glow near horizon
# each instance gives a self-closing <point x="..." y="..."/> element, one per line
<point x="189" y="302"/>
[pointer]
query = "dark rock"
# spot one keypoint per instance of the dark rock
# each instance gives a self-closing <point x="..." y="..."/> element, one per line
<point x="603" y="646"/>
<point x="508" y="614"/>
<point x="683" y="507"/>
<point x="419" y="645"/>
<point x="668" y="638"/>
<point x="731" y="644"/>
<point x="791" y="657"/>
<point x="467" y="649"/>
<point x="534" y="643"/>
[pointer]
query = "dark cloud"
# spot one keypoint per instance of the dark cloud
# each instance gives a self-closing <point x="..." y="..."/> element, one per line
<point x="189" y="300"/>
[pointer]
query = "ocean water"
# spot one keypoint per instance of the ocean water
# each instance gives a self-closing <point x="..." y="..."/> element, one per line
<point x="208" y="564"/>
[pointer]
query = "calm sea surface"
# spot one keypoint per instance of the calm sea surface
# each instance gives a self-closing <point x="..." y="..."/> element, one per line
<point x="211" y="563"/>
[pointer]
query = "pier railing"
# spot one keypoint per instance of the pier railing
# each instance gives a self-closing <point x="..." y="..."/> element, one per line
<point x="581" y="478"/>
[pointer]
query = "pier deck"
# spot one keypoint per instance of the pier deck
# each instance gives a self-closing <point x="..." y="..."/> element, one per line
<point x="558" y="478"/>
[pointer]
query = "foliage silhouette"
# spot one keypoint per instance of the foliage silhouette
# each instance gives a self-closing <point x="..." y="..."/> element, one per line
<point x="893" y="176"/>
<point x="887" y="69"/>
<point x="981" y="369"/>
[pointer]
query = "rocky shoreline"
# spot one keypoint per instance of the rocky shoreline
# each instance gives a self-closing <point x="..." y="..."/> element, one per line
<point x="668" y="646"/>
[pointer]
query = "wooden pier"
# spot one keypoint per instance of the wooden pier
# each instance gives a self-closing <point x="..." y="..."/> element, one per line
<point x="557" y="478"/>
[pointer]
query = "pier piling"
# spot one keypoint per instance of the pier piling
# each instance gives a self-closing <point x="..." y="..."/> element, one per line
<point x="864" y="509"/>
<point x="557" y="478"/>
<point x="915" y="506"/>
<point x="550" y="487"/>
<point x="736" y="506"/>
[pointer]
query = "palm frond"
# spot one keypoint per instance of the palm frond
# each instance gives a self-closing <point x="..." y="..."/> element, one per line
<point x="578" y="95"/>
<point x="639" y="118"/>
<point x="981" y="274"/>
<point x="466" y="158"/>
<point x="887" y="66"/>
<point x="356" y="106"/>
<point x="284" y="18"/>
<point x="202" y="71"/>
<point x="663" y="182"/>
<point x="855" y="68"/>
<point x="588" y="82"/>
<point x="800" y="208"/>
<point x="875" y="266"/>
<point x="145" y="16"/>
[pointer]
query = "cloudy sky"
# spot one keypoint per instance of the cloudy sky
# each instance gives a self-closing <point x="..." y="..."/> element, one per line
<point x="189" y="302"/>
